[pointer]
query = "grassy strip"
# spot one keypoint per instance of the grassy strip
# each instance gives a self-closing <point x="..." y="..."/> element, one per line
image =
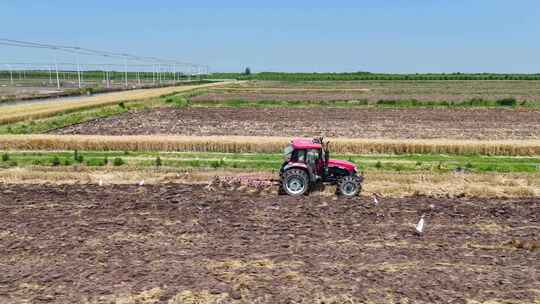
<point x="270" y="162"/>
<point x="400" y="103"/>
<point x="61" y="120"/>
<point x="262" y="144"/>
<point x="67" y="119"/>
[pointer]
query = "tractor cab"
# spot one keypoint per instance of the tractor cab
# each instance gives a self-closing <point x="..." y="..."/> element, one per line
<point x="306" y="154"/>
<point x="309" y="159"/>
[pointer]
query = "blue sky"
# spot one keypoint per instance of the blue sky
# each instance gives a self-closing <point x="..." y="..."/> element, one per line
<point x="378" y="36"/>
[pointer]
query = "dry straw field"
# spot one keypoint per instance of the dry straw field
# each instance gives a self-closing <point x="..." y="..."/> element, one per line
<point x="254" y="144"/>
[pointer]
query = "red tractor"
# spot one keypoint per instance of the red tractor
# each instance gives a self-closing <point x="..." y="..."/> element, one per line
<point x="307" y="164"/>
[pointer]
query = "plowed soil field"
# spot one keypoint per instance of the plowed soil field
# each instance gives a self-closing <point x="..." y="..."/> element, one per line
<point x="174" y="243"/>
<point x="421" y="123"/>
<point x="374" y="90"/>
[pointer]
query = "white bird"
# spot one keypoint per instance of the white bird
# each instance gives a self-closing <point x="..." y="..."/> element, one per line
<point x="420" y="225"/>
<point x="100" y="182"/>
<point x="375" y="199"/>
<point x="141" y="183"/>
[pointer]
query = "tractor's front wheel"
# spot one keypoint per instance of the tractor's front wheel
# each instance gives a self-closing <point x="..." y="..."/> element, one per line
<point x="349" y="186"/>
<point x="295" y="182"/>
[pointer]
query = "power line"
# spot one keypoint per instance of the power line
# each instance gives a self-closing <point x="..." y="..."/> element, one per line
<point x="92" y="52"/>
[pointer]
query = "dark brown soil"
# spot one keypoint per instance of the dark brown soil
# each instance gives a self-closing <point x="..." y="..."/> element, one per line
<point x="161" y="243"/>
<point x="484" y="124"/>
<point x="390" y="90"/>
<point x="312" y="96"/>
<point x="371" y="96"/>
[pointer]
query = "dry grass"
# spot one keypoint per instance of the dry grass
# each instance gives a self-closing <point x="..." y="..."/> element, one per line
<point x="502" y="301"/>
<point x="257" y="144"/>
<point x="524" y="244"/>
<point x="151" y="296"/>
<point x="238" y="264"/>
<point x="20" y="112"/>
<point x="201" y="297"/>
<point x="450" y="184"/>
<point x="391" y="184"/>
<point x="87" y="175"/>
<point x="118" y="175"/>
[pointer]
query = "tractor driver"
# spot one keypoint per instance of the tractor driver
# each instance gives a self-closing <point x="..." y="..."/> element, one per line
<point x="313" y="163"/>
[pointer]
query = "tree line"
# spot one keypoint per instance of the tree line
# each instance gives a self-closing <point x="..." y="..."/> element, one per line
<point x="281" y="76"/>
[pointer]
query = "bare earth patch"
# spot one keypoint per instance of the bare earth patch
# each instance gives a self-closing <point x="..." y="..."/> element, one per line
<point x="183" y="244"/>
<point x="374" y="90"/>
<point x="486" y="124"/>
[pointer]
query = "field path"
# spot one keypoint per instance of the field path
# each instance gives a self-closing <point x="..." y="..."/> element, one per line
<point x="49" y="107"/>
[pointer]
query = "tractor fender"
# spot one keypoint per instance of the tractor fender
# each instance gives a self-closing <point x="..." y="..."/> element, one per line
<point x="301" y="166"/>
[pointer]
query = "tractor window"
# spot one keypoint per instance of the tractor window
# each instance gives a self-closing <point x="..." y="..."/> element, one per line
<point x="300" y="156"/>
<point x="287" y="152"/>
<point x="312" y="156"/>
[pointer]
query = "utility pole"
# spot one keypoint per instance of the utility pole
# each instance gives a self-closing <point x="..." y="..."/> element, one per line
<point x="125" y="73"/>
<point x="79" y="72"/>
<point x="10" y="74"/>
<point x="154" y="74"/>
<point x="57" y="76"/>
<point x="159" y="73"/>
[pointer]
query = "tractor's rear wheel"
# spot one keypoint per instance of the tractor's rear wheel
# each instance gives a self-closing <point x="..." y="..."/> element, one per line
<point x="348" y="186"/>
<point x="295" y="182"/>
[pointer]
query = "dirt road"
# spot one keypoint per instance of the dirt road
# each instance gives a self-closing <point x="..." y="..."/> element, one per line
<point x="48" y="107"/>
